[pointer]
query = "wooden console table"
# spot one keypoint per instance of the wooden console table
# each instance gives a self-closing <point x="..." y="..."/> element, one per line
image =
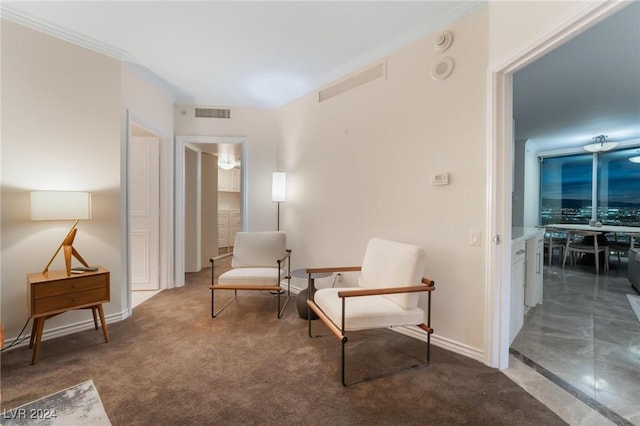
<point x="53" y="293"/>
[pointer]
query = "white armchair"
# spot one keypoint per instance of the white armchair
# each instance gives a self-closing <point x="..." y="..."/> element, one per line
<point x="387" y="296"/>
<point x="260" y="261"/>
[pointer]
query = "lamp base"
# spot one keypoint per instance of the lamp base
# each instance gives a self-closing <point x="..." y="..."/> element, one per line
<point x="68" y="251"/>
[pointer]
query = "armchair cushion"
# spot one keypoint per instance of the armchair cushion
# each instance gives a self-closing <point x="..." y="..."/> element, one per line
<point x="365" y="312"/>
<point x="251" y="276"/>
<point x="393" y="264"/>
<point x="258" y="249"/>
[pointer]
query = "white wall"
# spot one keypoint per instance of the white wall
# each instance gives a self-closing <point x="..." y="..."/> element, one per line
<point x="531" y="185"/>
<point x="63" y="127"/>
<point x="191" y="213"/>
<point x="60" y="130"/>
<point x="259" y="126"/>
<point x="209" y="216"/>
<point x="518" y="194"/>
<point x="360" y="166"/>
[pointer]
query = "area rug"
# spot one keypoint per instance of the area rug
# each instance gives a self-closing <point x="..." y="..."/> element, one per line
<point x="635" y="304"/>
<point x="77" y="405"/>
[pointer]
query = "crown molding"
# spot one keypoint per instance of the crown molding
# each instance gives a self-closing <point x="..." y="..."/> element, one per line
<point x="56" y="31"/>
<point x="379" y="53"/>
<point x="37" y="24"/>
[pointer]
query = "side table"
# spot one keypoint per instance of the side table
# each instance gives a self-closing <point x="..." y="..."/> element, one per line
<point x="53" y="293"/>
<point x="301" y="298"/>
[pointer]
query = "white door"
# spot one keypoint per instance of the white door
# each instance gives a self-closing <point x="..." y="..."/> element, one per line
<point x="144" y="218"/>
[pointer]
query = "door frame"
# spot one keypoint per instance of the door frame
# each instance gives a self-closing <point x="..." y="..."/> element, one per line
<point x="181" y="143"/>
<point x="165" y="259"/>
<point x="500" y="170"/>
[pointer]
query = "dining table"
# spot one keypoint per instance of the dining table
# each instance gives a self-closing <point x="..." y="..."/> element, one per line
<point x="630" y="231"/>
<point x="586" y="227"/>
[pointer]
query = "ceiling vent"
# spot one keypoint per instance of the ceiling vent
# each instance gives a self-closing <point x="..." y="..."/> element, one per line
<point x="213" y="113"/>
<point x="370" y="74"/>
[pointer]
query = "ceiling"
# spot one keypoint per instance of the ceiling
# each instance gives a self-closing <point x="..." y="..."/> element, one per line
<point x="240" y="53"/>
<point x="587" y="87"/>
<point x="265" y="54"/>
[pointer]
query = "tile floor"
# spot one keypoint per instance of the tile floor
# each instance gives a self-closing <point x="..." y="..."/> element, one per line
<point x="586" y="337"/>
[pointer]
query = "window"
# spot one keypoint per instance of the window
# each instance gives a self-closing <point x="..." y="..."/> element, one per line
<point x="566" y="188"/>
<point x="619" y="188"/>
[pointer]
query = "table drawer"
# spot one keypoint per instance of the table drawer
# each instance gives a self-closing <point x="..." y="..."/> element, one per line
<point x="69" y="301"/>
<point x="55" y="288"/>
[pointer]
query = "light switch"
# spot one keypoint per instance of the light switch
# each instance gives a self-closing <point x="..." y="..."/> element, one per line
<point x="440" y="179"/>
<point x="475" y="237"/>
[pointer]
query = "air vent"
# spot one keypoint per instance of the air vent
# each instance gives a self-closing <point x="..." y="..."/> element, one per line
<point x="370" y="74"/>
<point x="213" y="112"/>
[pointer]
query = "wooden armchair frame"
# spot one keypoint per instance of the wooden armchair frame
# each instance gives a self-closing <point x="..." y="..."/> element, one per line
<point x="235" y="287"/>
<point x="339" y="330"/>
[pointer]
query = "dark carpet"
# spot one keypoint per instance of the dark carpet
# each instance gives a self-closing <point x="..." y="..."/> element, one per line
<point x="170" y="363"/>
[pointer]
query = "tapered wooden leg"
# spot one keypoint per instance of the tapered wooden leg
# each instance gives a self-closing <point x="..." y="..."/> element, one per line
<point x="105" y="332"/>
<point x="33" y="333"/>
<point x="95" y="318"/>
<point x="36" y="347"/>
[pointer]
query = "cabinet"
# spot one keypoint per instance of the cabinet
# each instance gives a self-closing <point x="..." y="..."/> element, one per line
<point x="518" y="277"/>
<point x="228" y="227"/>
<point x="229" y="180"/>
<point x="534" y="265"/>
<point x="53" y="293"/>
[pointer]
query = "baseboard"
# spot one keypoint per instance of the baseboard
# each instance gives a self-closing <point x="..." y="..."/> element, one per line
<point x="64" y="330"/>
<point x="443" y="342"/>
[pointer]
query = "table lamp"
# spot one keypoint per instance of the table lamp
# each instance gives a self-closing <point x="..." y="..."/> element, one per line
<point x="62" y="205"/>
<point x="279" y="190"/>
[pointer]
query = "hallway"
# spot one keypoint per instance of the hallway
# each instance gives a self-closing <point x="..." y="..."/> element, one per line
<point x="586" y="338"/>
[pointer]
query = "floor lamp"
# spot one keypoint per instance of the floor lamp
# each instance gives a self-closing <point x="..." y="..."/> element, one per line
<point x="62" y="205"/>
<point x="279" y="190"/>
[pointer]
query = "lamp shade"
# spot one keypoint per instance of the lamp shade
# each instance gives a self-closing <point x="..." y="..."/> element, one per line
<point x="60" y="205"/>
<point x="279" y="187"/>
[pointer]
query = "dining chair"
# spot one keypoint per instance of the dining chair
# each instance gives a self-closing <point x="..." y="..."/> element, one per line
<point x="387" y="296"/>
<point x="555" y="239"/>
<point x="581" y="242"/>
<point x="259" y="261"/>
<point x="622" y="243"/>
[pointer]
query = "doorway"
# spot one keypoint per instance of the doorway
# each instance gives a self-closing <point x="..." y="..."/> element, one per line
<point x="193" y="242"/>
<point x="500" y="172"/>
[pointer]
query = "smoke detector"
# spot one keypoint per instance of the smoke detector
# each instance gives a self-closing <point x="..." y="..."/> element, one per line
<point x="442" y="41"/>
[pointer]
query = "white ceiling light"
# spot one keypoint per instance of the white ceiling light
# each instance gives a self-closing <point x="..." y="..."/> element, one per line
<point x="635" y="158"/>
<point x="226" y="163"/>
<point x="600" y="144"/>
